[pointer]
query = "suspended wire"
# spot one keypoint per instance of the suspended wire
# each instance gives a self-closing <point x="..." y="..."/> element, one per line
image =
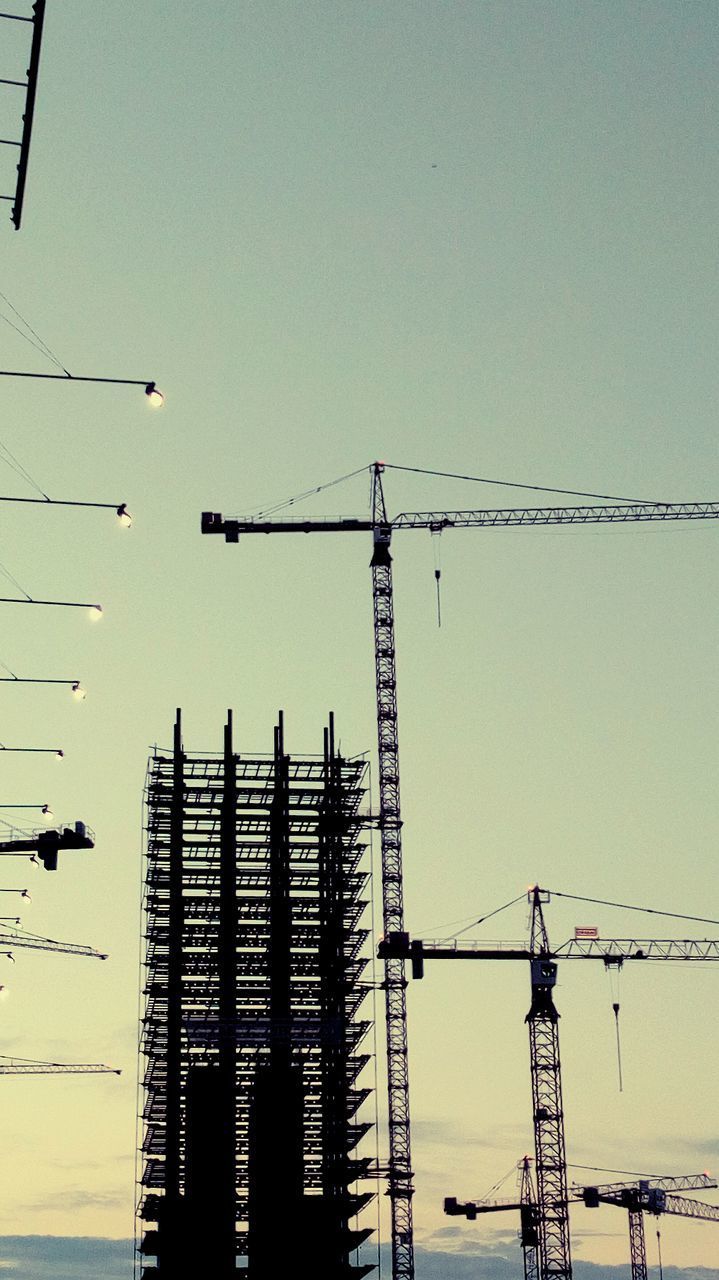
<point x="629" y="1173"/>
<point x="14" y="581"/>
<point x="17" y="466"/>
<point x="37" y="346"/>
<point x="482" y="919"/>
<point x="308" y="493"/>
<point x="625" y="906"/>
<point x="9" y="670"/>
<point x="434" y="929"/>
<point x="514" y="484"/>
<point x="43" y="346"/>
<point x="500" y="1182"/>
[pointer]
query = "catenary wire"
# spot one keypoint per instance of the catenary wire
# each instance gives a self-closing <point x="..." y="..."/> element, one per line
<point x="43" y="347"/>
<point x="16" y="466"/>
<point x="14" y="581"/>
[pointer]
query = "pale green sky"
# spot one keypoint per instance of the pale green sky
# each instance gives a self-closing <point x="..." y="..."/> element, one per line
<point x="473" y="236"/>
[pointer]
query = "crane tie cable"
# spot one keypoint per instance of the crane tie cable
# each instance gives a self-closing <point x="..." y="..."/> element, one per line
<point x="489" y="915"/>
<point x="514" y="484"/>
<point x="625" y="906"/>
<point x="300" y="497"/>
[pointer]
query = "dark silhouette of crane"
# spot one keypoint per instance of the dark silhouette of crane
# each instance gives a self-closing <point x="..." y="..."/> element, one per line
<point x="545" y="1064"/>
<point x="31" y="1067"/>
<point x="47" y="844"/>
<point x="528" y="1215"/>
<point x="382" y="528"/>
<point x="646" y="1195"/>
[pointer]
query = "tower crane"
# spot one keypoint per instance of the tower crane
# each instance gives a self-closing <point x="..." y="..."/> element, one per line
<point x="545" y="1064"/>
<point x="382" y="527"/>
<point x="31" y="1067"/>
<point x="645" y="1195"/>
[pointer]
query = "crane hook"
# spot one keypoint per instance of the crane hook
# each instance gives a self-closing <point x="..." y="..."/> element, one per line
<point x="615" y="1007"/>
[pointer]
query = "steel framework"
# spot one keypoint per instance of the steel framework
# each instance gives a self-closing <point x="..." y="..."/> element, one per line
<point x="647" y="1195"/>
<point x="382" y="528"/>
<point x="390" y="823"/>
<point x="254" y="898"/>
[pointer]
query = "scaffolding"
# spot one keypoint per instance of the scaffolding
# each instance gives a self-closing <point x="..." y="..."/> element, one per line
<point x="254" y="895"/>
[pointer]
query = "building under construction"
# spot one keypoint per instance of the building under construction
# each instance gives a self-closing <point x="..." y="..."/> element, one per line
<point x="254" y="898"/>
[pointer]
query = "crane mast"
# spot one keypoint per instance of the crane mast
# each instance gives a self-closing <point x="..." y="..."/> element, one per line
<point x="528" y="1221"/>
<point x="547" y="1110"/>
<point x="390" y="825"/>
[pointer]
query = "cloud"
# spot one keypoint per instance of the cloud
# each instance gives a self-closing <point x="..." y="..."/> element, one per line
<point x="436" y="1264"/>
<point x="64" y="1258"/>
<point x="450" y="1133"/>
<point x="87" y="1257"/>
<point x="73" y="1198"/>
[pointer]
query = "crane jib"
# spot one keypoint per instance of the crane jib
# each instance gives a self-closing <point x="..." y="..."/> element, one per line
<point x="213" y="521"/>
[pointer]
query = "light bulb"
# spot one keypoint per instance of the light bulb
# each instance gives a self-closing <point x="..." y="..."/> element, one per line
<point x="47" y="813"/>
<point x="59" y="755"/>
<point x="78" y="691"/>
<point x="124" y="516"/>
<point x="95" y="612"/>
<point x="155" y="398"/>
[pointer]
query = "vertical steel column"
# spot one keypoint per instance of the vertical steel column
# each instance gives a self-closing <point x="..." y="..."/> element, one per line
<point x="227" y="1040"/>
<point x="173" y="1171"/>
<point x="280" y="907"/>
<point x="400" y="1165"/>
<point x="332" y="984"/>
<point x="554" y="1248"/>
<point x="637" y="1244"/>
<point x="169" y="1243"/>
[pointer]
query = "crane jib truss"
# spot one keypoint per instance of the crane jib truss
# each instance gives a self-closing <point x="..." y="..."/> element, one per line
<point x="381" y="527"/>
<point x="647" y="1195"/>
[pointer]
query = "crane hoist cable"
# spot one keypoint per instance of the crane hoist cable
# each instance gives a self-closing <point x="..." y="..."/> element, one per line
<point x="436" y="534"/>
<point x="614" y="974"/>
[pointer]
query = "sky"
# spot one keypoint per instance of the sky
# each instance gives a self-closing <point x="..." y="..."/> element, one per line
<point x="476" y="238"/>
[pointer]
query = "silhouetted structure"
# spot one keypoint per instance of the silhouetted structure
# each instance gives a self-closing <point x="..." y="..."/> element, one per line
<point x="253" y="901"/>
